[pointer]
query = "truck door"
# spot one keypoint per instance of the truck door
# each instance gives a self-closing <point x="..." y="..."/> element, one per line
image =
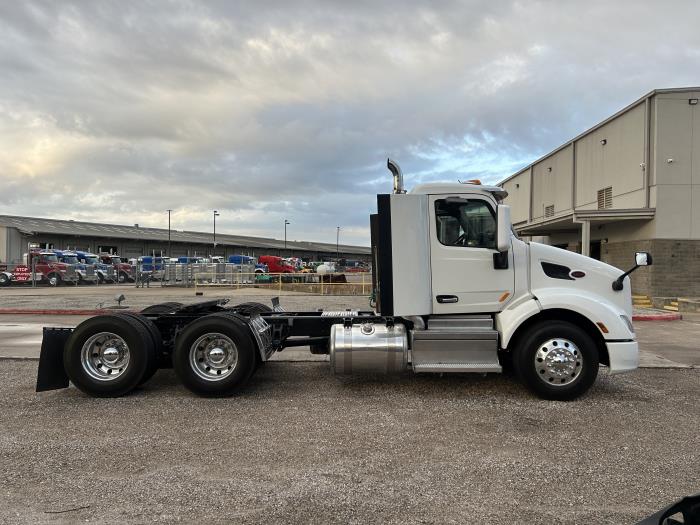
<point x="462" y="247"/>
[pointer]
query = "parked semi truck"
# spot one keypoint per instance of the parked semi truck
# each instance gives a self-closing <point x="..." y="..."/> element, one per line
<point x="49" y="269"/>
<point x="455" y="289"/>
<point x="105" y="272"/>
<point x="85" y="273"/>
<point x="122" y="269"/>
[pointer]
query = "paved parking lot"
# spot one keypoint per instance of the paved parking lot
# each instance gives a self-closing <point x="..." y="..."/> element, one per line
<point x="301" y="446"/>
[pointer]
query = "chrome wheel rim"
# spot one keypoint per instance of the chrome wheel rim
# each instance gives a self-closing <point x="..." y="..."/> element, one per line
<point x="105" y="356"/>
<point x="558" y="362"/>
<point x="213" y="356"/>
<point x="53" y="281"/>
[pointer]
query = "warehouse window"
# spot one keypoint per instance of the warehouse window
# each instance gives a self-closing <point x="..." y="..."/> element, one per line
<point x="605" y="198"/>
<point x="549" y="211"/>
<point x="469" y="223"/>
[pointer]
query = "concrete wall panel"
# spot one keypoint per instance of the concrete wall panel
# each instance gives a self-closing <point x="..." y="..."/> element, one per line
<point x="616" y="163"/>
<point x="518" y="189"/>
<point x="674" y="127"/>
<point x="552" y="179"/>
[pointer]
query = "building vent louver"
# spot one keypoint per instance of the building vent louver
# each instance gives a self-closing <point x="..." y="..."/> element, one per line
<point x="605" y="198"/>
<point x="549" y="211"/>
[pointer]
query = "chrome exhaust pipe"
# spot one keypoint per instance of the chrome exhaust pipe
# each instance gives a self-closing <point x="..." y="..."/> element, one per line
<point x="395" y="169"/>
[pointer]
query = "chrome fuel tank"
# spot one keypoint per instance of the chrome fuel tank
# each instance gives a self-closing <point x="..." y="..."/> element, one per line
<point x="368" y="348"/>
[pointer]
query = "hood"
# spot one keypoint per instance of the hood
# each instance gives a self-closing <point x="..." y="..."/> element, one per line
<point x="552" y="267"/>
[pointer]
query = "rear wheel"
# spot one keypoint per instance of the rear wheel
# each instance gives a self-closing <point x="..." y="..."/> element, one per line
<point x="108" y="355"/>
<point x="123" y="277"/>
<point x="4" y="279"/>
<point x="556" y="360"/>
<point x="215" y="355"/>
<point x="156" y="340"/>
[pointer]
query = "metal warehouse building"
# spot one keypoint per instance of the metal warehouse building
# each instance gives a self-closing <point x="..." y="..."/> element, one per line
<point x="17" y="233"/>
<point x="630" y="183"/>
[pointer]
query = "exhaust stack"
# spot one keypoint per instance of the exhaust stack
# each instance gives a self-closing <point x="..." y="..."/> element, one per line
<point x="395" y="169"/>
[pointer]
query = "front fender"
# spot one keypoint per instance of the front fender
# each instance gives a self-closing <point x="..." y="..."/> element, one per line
<point x="593" y="307"/>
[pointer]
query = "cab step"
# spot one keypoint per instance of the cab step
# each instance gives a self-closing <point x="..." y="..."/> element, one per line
<point x="453" y="349"/>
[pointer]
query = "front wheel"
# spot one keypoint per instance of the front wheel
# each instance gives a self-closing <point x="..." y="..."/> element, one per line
<point x="556" y="360"/>
<point x="4" y="279"/>
<point x="54" y="279"/>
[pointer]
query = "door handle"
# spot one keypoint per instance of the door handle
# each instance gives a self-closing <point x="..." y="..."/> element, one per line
<point x="447" y="299"/>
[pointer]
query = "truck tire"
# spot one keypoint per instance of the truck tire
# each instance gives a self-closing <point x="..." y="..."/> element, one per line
<point x="215" y="355"/>
<point x="54" y="279"/>
<point x="556" y="360"/>
<point x="251" y="308"/>
<point x="162" y="308"/>
<point x="123" y="277"/>
<point x="156" y="339"/>
<point x="4" y="279"/>
<point x="108" y="355"/>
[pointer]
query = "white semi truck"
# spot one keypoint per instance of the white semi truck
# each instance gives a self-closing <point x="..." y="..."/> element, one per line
<point x="455" y="290"/>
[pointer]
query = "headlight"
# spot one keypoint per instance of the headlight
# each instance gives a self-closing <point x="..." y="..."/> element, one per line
<point x="627" y="322"/>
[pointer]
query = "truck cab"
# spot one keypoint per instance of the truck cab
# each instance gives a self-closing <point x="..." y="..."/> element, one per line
<point x="105" y="272"/>
<point x="122" y="269"/>
<point x="85" y="273"/>
<point x="49" y="268"/>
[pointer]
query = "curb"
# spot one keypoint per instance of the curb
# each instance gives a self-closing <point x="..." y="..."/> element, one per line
<point x="20" y="311"/>
<point x="657" y="317"/>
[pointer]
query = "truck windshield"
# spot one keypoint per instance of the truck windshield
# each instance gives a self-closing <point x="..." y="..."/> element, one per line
<point x="91" y="260"/>
<point x="70" y="259"/>
<point x="116" y="260"/>
<point x="50" y="257"/>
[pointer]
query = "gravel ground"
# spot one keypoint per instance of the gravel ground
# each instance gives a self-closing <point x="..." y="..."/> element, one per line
<point x="300" y="446"/>
<point x="84" y="297"/>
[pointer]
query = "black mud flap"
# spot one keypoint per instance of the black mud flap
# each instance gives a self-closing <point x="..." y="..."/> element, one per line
<point x="51" y="374"/>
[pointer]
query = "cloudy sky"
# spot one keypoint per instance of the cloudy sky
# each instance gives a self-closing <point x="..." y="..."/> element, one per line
<point x="116" y="111"/>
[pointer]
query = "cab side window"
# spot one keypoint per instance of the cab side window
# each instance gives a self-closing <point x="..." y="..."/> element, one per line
<point x="467" y="223"/>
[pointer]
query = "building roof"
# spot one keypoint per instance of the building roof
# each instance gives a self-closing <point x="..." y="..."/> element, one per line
<point x="33" y="225"/>
<point x="602" y="123"/>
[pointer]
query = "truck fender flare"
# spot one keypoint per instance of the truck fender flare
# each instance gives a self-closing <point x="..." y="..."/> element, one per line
<point x="513" y="316"/>
<point x="593" y="309"/>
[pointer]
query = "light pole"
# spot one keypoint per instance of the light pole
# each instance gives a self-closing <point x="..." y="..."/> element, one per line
<point x="285" y="234"/>
<point x="169" y="253"/>
<point x="216" y="214"/>
<point x="337" y="243"/>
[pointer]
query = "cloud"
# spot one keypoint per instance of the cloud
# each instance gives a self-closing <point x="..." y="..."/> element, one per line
<point x="117" y="111"/>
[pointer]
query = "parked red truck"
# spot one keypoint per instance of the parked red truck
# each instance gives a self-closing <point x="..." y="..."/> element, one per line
<point x="276" y="264"/>
<point x="122" y="269"/>
<point x="49" y="269"/>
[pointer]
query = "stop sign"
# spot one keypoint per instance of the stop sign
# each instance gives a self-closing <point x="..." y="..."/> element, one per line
<point x="22" y="274"/>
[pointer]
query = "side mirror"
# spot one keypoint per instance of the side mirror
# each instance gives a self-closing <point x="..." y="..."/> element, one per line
<point x="503" y="228"/>
<point x="642" y="258"/>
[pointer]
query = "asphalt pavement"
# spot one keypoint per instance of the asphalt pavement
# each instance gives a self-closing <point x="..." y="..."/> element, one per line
<point x="300" y="446"/>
